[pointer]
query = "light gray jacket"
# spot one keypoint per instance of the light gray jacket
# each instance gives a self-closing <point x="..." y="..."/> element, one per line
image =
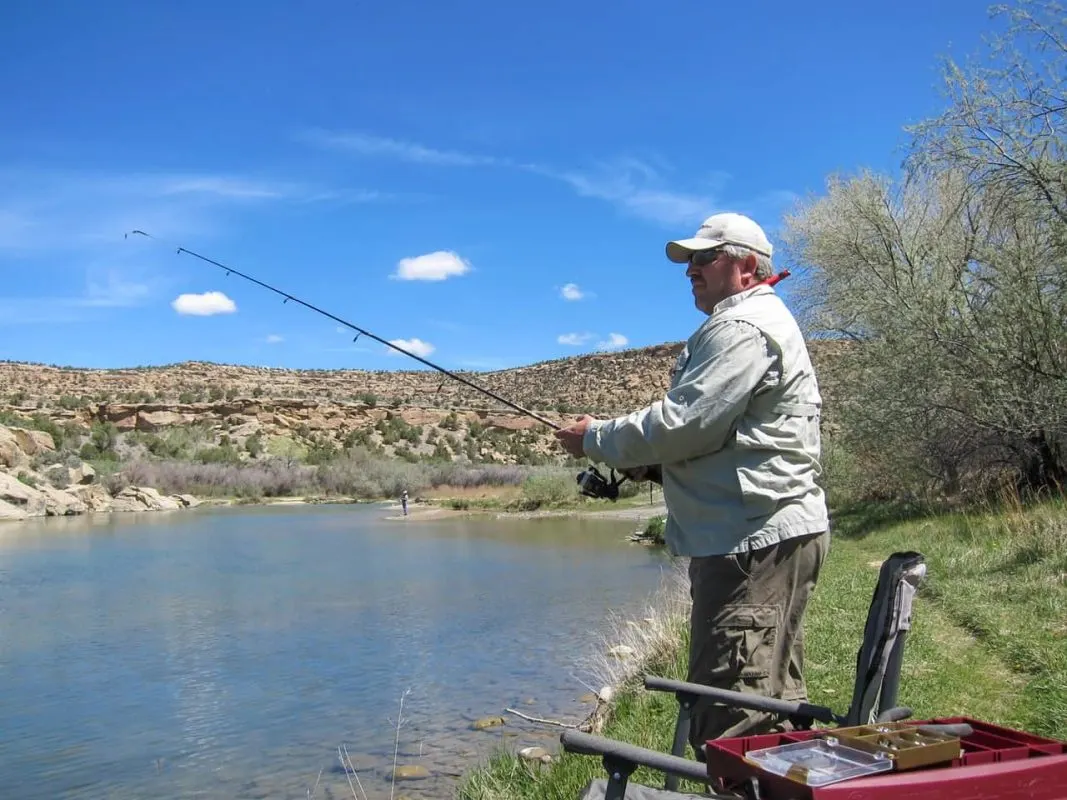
<point x="737" y="433"/>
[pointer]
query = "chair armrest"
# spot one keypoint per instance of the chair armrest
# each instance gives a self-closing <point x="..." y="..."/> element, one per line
<point x="613" y="750"/>
<point x="744" y="700"/>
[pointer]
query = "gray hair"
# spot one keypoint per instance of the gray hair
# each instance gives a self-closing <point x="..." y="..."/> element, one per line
<point x="764" y="268"/>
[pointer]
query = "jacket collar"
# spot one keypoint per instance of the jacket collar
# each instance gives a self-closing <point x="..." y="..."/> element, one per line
<point x="740" y="297"/>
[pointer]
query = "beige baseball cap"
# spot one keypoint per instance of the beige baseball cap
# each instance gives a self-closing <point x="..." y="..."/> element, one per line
<point x="720" y="229"/>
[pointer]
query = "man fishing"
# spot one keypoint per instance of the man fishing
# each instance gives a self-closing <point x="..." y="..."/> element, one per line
<point x="735" y="443"/>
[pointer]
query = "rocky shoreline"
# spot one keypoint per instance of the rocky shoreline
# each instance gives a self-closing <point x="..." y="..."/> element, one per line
<point x="64" y="488"/>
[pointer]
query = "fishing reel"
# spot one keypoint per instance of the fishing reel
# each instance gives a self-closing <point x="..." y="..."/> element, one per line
<point x="592" y="483"/>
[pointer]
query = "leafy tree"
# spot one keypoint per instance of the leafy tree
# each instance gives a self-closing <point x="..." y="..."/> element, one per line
<point x="950" y="280"/>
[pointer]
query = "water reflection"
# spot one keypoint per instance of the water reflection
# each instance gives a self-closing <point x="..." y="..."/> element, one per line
<point x="228" y="652"/>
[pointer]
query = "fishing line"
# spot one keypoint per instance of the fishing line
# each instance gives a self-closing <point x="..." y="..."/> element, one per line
<point x="359" y="331"/>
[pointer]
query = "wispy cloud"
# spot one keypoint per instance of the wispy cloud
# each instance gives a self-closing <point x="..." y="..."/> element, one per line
<point x="631" y="184"/>
<point x="221" y="186"/>
<point x="571" y="291"/>
<point x="107" y="289"/>
<point x="437" y="266"/>
<point x="114" y="292"/>
<point x="44" y="211"/>
<point x="203" y="305"/>
<point x="369" y="145"/>
<point x="274" y="338"/>
<point x="638" y="189"/>
<point x="574" y="339"/>
<point x="644" y="188"/>
<point x="416" y="346"/>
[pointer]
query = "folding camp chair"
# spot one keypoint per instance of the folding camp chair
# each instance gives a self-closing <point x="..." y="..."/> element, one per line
<point x="878" y="665"/>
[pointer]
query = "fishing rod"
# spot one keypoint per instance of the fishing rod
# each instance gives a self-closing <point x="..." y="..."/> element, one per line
<point x="359" y="331"/>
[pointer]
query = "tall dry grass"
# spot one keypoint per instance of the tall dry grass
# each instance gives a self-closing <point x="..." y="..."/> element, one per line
<point x="628" y="645"/>
<point x="356" y="475"/>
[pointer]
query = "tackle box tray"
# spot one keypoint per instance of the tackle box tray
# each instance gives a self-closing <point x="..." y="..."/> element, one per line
<point x="993" y="762"/>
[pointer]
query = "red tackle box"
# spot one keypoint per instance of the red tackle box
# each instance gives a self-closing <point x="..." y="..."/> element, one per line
<point x="996" y="763"/>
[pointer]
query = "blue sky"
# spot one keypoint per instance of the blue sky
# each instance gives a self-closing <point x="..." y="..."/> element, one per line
<point x="491" y="183"/>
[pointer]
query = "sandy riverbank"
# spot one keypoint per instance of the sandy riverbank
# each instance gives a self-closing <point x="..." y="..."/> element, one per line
<point x="430" y="511"/>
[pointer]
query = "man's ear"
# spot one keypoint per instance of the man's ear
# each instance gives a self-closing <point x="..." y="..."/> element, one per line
<point x="748" y="266"/>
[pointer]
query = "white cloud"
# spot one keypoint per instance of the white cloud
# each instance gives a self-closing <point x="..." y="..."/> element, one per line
<point x="571" y="291"/>
<point x="437" y="266"/>
<point x="416" y="346"/>
<point x="204" y="305"/>
<point x="274" y="339"/>
<point x="574" y="339"/>
<point x="613" y="342"/>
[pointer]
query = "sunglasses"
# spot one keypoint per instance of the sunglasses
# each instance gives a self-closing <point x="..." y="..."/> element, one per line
<point x="702" y="258"/>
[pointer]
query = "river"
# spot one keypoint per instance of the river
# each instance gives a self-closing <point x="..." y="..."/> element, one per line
<point x="229" y="652"/>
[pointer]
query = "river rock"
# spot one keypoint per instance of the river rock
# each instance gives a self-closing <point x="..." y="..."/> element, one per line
<point x="95" y="496"/>
<point x="143" y="498"/>
<point x="186" y="500"/>
<point x="410" y="772"/>
<point x="21" y="500"/>
<point x="11" y="512"/>
<point x="535" y="754"/>
<point x="21" y="496"/>
<point x="621" y="651"/>
<point x="60" y="503"/>
<point x="487" y="722"/>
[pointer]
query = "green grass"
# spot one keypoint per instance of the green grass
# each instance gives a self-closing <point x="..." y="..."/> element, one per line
<point x="997" y="593"/>
<point x="989" y="637"/>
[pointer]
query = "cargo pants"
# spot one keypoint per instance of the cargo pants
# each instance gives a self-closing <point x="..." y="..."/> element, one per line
<point x="747" y="631"/>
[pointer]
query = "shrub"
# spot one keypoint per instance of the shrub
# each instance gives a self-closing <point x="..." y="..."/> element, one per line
<point x="223" y="454"/>
<point x="655" y="529"/>
<point x="545" y="491"/>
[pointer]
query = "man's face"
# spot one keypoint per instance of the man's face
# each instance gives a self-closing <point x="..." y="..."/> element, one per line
<point x="714" y="276"/>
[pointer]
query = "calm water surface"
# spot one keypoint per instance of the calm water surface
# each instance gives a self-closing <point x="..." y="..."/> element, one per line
<point x="228" y="653"/>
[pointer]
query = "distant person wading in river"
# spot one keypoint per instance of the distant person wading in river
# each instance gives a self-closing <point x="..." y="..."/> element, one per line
<point x="404" y="501"/>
